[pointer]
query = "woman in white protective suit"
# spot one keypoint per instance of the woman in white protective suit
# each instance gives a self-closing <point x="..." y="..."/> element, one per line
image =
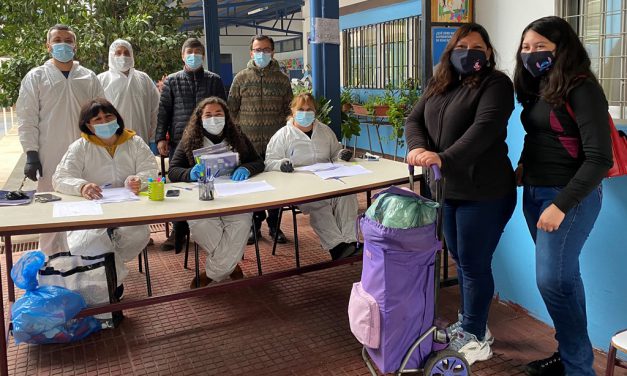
<point x="132" y="92"/>
<point x="224" y="238"/>
<point x="305" y="141"/>
<point x="106" y="155"/>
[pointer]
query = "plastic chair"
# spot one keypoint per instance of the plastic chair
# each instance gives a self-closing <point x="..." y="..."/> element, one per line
<point x="295" y="211"/>
<point x="618" y="342"/>
<point x="144" y="252"/>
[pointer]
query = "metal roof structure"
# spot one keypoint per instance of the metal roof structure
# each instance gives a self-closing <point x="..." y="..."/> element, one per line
<point x="265" y="15"/>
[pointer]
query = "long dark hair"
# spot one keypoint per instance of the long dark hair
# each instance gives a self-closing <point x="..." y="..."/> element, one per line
<point x="446" y="76"/>
<point x="91" y="109"/>
<point x="570" y="66"/>
<point x="193" y="135"/>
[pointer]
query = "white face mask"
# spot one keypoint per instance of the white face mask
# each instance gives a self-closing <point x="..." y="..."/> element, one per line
<point x="214" y="125"/>
<point x="122" y="63"/>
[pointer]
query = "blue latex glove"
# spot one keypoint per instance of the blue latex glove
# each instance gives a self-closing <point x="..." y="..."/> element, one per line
<point x="240" y="174"/>
<point x="194" y="174"/>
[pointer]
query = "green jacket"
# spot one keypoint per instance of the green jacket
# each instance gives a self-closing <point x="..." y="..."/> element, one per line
<point x="259" y="102"/>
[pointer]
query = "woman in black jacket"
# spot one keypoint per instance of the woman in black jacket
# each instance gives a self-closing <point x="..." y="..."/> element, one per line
<point x="224" y="238"/>
<point x="460" y="125"/>
<point x="566" y="154"/>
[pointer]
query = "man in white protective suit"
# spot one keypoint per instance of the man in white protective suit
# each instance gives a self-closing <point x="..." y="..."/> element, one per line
<point x="132" y="92"/>
<point x="48" y="106"/>
<point x="49" y="103"/>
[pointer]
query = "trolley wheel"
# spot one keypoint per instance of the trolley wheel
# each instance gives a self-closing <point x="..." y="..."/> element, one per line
<point x="446" y="363"/>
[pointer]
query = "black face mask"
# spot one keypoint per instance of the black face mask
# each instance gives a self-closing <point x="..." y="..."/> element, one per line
<point x="537" y="63"/>
<point x="467" y="61"/>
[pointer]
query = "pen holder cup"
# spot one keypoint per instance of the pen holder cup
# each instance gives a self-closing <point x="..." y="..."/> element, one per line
<point x="156" y="191"/>
<point x="206" y="190"/>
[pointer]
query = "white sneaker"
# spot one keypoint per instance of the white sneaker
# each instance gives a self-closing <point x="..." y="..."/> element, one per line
<point x="455" y="327"/>
<point x="470" y="347"/>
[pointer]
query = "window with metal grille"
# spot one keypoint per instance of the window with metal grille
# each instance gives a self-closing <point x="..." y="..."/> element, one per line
<point x="602" y="27"/>
<point x="381" y="55"/>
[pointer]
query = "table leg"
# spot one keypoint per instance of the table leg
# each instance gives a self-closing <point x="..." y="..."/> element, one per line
<point x="368" y="198"/>
<point x="8" y="254"/>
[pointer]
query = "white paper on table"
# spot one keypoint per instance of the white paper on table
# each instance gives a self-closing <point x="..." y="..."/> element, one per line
<point x="241" y="188"/>
<point x="319" y="167"/>
<point x="76" y="208"/>
<point x="111" y="195"/>
<point x="343" y="171"/>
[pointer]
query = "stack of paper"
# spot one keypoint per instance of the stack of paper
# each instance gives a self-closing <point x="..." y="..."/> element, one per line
<point x="242" y="187"/>
<point x="342" y="171"/>
<point x="319" y="167"/>
<point x="76" y="208"/>
<point x="111" y="195"/>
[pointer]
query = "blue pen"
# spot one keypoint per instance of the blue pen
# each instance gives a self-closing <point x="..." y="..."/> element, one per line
<point x="106" y="185"/>
<point x="216" y="174"/>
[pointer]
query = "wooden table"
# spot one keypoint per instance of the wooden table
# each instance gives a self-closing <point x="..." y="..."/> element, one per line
<point x="290" y="189"/>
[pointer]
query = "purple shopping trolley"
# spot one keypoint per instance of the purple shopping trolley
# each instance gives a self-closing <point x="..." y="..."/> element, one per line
<point x="392" y="308"/>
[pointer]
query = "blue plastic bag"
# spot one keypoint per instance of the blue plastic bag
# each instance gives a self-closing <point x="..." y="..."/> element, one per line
<point x="46" y="314"/>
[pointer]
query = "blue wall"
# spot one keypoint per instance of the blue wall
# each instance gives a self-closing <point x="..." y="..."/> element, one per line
<point x="603" y="259"/>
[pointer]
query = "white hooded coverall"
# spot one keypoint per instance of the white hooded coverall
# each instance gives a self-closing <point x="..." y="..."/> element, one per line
<point x="47" y="112"/>
<point x="333" y="219"/>
<point x="223" y="238"/>
<point x="135" y="95"/>
<point x="86" y="162"/>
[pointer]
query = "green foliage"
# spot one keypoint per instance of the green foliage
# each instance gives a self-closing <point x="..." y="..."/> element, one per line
<point x="152" y="27"/>
<point x="350" y="126"/>
<point x="323" y="112"/>
<point x="400" y="101"/>
<point x="346" y="96"/>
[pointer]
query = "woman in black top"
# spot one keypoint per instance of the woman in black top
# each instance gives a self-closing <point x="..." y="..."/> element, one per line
<point x="224" y="238"/>
<point x="460" y="125"/>
<point x="566" y="154"/>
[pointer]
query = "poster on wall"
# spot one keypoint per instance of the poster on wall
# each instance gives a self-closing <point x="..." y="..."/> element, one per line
<point x="439" y="39"/>
<point x="451" y="11"/>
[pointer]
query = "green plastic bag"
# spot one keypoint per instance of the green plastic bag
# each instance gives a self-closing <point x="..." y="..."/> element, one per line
<point x="394" y="211"/>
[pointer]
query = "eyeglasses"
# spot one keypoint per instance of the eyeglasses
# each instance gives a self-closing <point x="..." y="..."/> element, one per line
<point x="264" y="50"/>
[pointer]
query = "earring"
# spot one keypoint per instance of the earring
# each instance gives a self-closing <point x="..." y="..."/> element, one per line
<point x="488" y="64"/>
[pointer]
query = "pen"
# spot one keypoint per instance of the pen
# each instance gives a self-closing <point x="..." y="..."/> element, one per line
<point x="105" y="185"/>
<point x="185" y="188"/>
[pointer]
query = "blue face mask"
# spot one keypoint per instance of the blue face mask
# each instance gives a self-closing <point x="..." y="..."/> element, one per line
<point x="193" y="61"/>
<point x="262" y="59"/>
<point x="106" y="130"/>
<point x="305" y="118"/>
<point x="62" y="52"/>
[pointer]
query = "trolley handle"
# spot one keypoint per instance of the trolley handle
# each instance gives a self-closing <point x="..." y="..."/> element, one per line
<point x="437" y="174"/>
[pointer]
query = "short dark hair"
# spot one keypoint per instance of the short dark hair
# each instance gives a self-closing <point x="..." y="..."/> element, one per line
<point x="192" y="43"/>
<point x="60" y="27"/>
<point x="92" y="108"/>
<point x="571" y="64"/>
<point x="261" y="38"/>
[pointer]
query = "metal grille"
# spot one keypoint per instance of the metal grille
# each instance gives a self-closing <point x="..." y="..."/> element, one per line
<point x="380" y="55"/>
<point x="602" y="27"/>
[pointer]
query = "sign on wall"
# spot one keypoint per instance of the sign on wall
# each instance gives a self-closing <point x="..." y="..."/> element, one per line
<point x="451" y="11"/>
<point x="439" y="39"/>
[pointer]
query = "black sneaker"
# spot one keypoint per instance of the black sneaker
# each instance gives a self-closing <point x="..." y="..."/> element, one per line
<point x="341" y="251"/>
<point x="280" y="237"/>
<point x="251" y="237"/>
<point x="552" y="366"/>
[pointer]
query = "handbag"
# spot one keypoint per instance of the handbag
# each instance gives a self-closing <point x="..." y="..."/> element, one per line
<point x="619" y="146"/>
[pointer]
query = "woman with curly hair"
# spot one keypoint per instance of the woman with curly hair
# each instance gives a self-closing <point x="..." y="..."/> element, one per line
<point x="224" y="238"/>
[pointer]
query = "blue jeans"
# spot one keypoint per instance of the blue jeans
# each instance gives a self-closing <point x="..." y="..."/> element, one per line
<point x="472" y="230"/>
<point x="557" y="272"/>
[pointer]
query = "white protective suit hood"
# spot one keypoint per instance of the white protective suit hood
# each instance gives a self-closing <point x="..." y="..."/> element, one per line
<point x="135" y="95"/>
<point x="114" y="46"/>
